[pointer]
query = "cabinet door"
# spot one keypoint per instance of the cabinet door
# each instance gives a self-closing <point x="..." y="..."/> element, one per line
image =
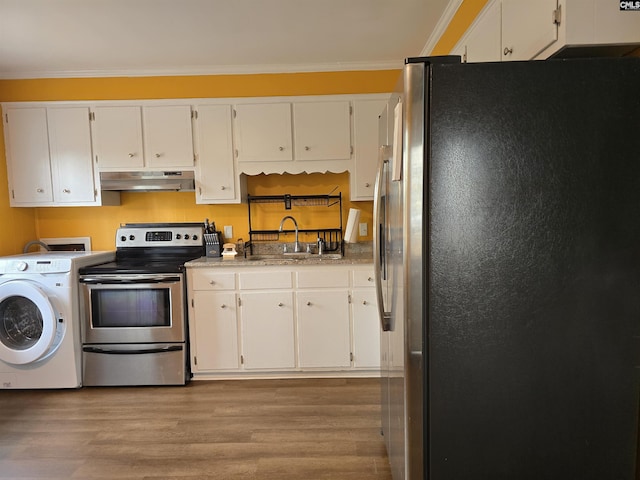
<point x="28" y="161"/>
<point x="263" y="132"/>
<point x="322" y="131"/>
<point x="214" y="331"/>
<point x="323" y="329"/>
<point x="527" y="28"/>
<point x="366" y="329"/>
<point x="118" y="137"/>
<point x="168" y="137"/>
<point x="71" y="159"/>
<point x="365" y="130"/>
<point x="484" y="40"/>
<point x="268" y="340"/>
<point x="215" y="171"/>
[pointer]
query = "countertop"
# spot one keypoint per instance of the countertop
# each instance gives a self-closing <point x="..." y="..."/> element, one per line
<point x="355" y="254"/>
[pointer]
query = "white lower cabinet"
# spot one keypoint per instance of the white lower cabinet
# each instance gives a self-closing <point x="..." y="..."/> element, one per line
<point x="268" y="339"/>
<point x="282" y="321"/>
<point x="215" y="331"/>
<point x="323" y="329"/>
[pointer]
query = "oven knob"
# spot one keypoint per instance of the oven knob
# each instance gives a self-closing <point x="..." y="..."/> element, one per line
<point x="123" y="238"/>
<point x="22" y="266"/>
<point x="132" y="237"/>
<point x="178" y="236"/>
<point x="194" y="237"/>
<point x="186" y="236"/>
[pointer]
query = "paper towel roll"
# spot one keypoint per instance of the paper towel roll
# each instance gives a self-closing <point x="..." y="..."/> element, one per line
<point x="351" y="232"/>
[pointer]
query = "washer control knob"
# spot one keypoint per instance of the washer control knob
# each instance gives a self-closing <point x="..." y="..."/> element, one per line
<point x="132" y="237"/>
<point x="178" y="236"/>
<point x="194" y="237"/>
<point x="186" y="236"/>
<point x="22" y="266"/>
<point x="123" y="238"/>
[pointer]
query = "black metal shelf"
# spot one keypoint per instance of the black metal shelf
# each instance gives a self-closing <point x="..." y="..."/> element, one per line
<point x="332" y="237"/>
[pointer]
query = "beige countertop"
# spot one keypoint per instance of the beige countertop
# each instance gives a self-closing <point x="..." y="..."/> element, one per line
<point x="239" y="261"/>
<point x="356" y="254"/>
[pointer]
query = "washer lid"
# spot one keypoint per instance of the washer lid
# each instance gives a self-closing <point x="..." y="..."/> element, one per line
<point x="29" y="328"/>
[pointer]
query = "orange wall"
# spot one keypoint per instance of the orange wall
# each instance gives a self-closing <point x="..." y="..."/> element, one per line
<point x="100" y="223"/>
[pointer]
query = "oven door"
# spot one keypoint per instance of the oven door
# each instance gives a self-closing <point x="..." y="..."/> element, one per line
<point x="121" y="308"/>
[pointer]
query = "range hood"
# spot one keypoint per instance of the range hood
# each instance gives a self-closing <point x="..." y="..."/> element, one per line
<point x="147" y="181"/>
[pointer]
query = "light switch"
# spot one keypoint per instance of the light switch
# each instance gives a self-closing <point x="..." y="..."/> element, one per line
<point x="228" y="232"/>
<point x="363" y="229"/>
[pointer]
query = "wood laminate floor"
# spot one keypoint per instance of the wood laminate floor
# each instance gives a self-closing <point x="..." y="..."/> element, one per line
<point x="301" y="429"/>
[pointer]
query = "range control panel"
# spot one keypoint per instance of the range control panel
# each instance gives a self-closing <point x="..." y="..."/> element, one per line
<point x="190" y="236"/>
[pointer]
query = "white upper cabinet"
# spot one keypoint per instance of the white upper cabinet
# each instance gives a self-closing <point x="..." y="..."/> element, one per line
<point x="528" y="27"/>
<point x="322" y="130"/>
<point x="365" y="131"/>
<point x="168" y="140"/>
<point x="216" y="178"/>
<point x="118" y="137"/>
<point x="70" y="150"/>
<point x="28" y="162"/>
<point x="49" y="157"/>
<point x="483" y="40"/>
<point x="539" y="29"/>
<point x="153" y="137"/>
<point x="263" y="132"/>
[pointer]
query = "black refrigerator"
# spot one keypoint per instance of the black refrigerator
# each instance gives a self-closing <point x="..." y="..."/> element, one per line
<point x="507" y="246"/>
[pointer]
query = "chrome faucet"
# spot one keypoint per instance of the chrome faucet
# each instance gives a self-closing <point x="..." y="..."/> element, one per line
<point x="297" y="248"/>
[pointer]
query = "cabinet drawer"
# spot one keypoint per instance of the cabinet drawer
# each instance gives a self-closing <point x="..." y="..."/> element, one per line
<point x="330" y="278"/>
<point x="213" y="280"/>
<point x="265" y="280"/>
<point x="363" y="278"/>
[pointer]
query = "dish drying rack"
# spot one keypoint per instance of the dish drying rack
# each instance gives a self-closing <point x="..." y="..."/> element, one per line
<point x="332" y="237"/>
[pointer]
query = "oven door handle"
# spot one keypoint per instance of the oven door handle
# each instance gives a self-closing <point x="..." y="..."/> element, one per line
<point x="142" y="351"/>
<point x="127" y="281"/>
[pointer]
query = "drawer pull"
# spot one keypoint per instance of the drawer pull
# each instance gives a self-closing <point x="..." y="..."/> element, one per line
<point x="212" y="282"/>
<point x="308" y="304"/>
<point x="223" y="306"/>
<point x="364" y="302"/>
<point x="369" y="279"/>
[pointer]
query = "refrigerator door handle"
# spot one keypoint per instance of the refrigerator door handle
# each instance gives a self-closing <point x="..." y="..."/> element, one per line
<point x="379" y="243"/>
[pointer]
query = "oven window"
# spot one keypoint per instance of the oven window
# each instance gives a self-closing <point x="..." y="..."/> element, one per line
<point x="131" y="308"/>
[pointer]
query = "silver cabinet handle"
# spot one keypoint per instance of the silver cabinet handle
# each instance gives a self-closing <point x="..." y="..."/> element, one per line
<point x="281" y="148"/>
<point x="281" y="304"/>
<point x="212" y="282"/>
<point x="131" y="155"/>
<point x="223" y="187"/>
<point x="223" y="306"/>
<point x="66" y="190"/>
<point x="40" y="190"/>
<point x="508" y="50"/>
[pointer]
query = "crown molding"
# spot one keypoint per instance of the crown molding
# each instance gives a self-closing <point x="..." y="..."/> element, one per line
<point x="213" y="70"/>
<point x="441" y="26"/>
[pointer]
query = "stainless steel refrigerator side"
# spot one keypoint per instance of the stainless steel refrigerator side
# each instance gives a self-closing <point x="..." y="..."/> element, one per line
<point x="388" y="223"/>
<point x="414" y="263"/>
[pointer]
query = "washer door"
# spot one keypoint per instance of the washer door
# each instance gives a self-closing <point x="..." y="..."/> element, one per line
<point x="29" y="328"/>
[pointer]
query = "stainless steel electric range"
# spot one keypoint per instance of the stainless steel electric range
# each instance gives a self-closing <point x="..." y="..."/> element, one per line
<point x="134" y="328"/>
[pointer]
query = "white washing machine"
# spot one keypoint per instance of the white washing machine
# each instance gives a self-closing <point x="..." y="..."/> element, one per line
<point x="40" y="318"/>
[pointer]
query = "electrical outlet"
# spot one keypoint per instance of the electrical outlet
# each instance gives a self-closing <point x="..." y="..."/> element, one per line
<point x="228" y="232"/>
<point x="363" y="229"/>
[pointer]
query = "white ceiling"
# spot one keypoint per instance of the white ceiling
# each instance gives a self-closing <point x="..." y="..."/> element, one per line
<point x="63" y="38"/>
